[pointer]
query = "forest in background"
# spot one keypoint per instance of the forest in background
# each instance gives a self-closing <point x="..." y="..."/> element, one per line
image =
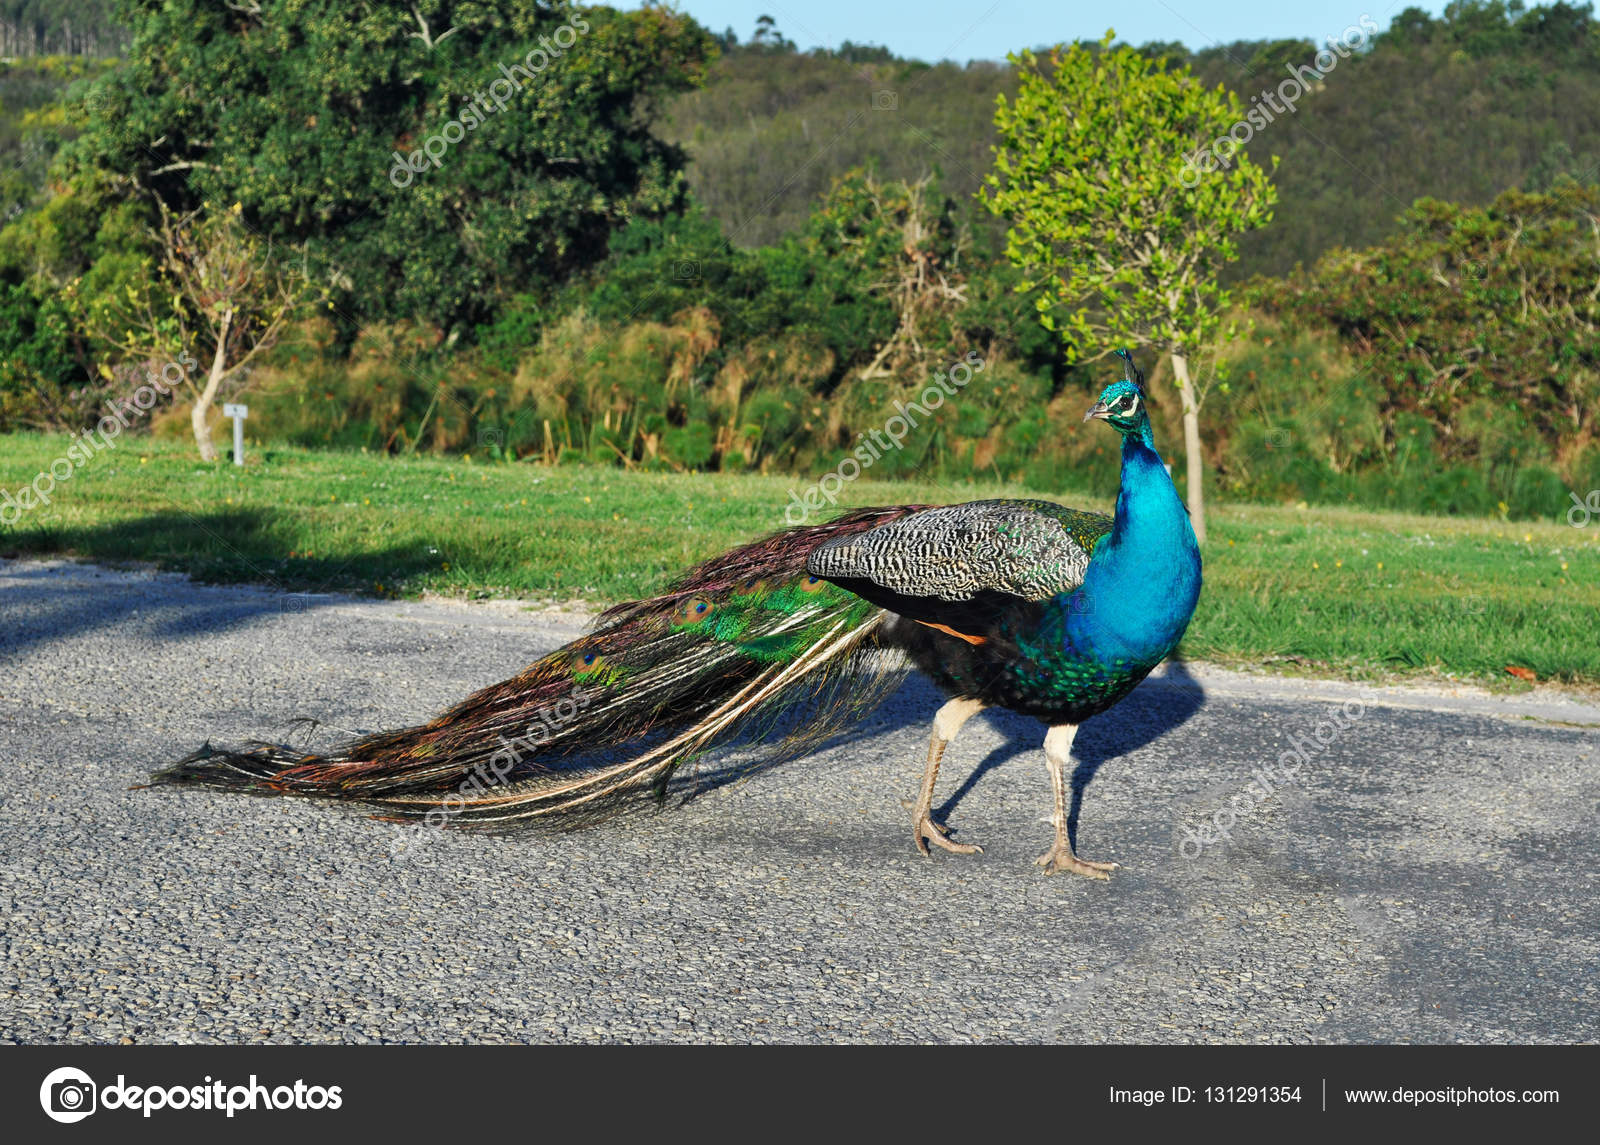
<point x="1488" y="96"/>
<point x="740" y="296"/>
<point x="1461" y="107"/>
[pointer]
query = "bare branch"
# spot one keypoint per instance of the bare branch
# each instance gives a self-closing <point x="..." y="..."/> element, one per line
<point x="185" y="165"/>
<point x="429" y="40"/>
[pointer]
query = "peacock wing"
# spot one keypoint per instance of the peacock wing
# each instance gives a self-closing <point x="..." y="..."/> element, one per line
<point x="962" y="566"/>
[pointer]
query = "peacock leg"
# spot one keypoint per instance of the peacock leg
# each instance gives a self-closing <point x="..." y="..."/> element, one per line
<point x="946" y="722"/>
<point x="1061" y="857"/>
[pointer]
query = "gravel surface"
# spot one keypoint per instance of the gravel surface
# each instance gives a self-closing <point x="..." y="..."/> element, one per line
<point x="1430" y="876"/>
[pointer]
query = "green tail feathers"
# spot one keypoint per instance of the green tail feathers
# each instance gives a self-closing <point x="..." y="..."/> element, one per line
<point x="615" y="713"/>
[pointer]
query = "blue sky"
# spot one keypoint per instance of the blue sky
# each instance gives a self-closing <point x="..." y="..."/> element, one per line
<point x="987" y="29"/>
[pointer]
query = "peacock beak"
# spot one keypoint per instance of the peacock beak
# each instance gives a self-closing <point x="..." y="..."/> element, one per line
<point x="1099" y="410"/>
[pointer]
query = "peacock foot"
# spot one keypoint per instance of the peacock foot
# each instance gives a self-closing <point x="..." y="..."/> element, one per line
<point x="924" y="831"/>
<point x="1061" y="858"/>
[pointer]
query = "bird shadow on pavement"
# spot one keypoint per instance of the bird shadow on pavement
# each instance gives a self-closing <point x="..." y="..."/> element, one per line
<point x="1156" y="707"/>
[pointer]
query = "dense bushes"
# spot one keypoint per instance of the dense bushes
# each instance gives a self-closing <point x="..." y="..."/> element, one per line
<point x="1474" y="340"/>
<point x="40" y="375"/>
<point x="1304" y="418"/>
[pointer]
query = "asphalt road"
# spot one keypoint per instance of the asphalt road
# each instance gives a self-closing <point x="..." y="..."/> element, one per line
<point x="1431" y="875"/>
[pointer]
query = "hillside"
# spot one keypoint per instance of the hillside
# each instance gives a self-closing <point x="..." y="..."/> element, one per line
<point x="1457" y="108"/>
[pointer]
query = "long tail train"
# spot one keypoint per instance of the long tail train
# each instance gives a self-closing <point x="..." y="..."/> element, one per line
<point x="614" y="713"/>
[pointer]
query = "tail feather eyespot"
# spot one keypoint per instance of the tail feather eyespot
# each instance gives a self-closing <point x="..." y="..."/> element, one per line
<point x="694" y="610"/>
<point x="583" y="660"/>
<point x="812" y="584"/>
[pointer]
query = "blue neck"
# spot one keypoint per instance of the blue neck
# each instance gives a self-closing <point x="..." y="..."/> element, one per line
<point x="1144" y="578"/>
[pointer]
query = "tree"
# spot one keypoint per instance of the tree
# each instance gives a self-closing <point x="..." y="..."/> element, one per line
<point x="216" y="290"/>
<point x="1463" y="304"/>
<point x="447" y="154"/>
<point x="897" y="244"/>
<point x="40" y="366"/>
<point x="767" y="38"/>
<point x="1123" y="195"/>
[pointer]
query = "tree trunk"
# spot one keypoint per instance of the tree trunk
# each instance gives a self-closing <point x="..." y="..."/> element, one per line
<point x="202" y="404"/>
<point x="1191" y="447"/>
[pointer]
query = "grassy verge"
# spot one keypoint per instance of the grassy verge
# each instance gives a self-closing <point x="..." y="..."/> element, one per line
<point x="1327" y="590"/>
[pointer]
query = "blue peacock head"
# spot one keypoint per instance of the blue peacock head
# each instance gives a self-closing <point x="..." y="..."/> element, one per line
<point x="1122" y="403"/>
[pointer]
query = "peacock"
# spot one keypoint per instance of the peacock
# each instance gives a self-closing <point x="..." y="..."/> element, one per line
<point x="1027" y="605"/>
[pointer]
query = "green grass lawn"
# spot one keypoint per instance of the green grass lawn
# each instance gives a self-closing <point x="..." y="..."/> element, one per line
<point x="1344" y="591"/>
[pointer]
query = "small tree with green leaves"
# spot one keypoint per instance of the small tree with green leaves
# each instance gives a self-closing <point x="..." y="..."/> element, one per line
<point x="214" y="289"/>
<point x="1114" y="223"/>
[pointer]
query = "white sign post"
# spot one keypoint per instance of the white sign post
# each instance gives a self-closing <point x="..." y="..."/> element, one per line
<point x="238" y="413"/>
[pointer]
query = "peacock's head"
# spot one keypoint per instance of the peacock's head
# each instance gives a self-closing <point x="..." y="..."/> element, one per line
<point x="1122" y="403"/>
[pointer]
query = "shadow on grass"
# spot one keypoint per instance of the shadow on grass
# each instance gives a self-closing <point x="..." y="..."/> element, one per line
<point x="241" y="546"/>
<point x="232" y="546"/>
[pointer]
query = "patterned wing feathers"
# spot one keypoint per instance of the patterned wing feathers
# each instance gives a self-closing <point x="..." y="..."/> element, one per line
<point x="1031" y="550"/>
